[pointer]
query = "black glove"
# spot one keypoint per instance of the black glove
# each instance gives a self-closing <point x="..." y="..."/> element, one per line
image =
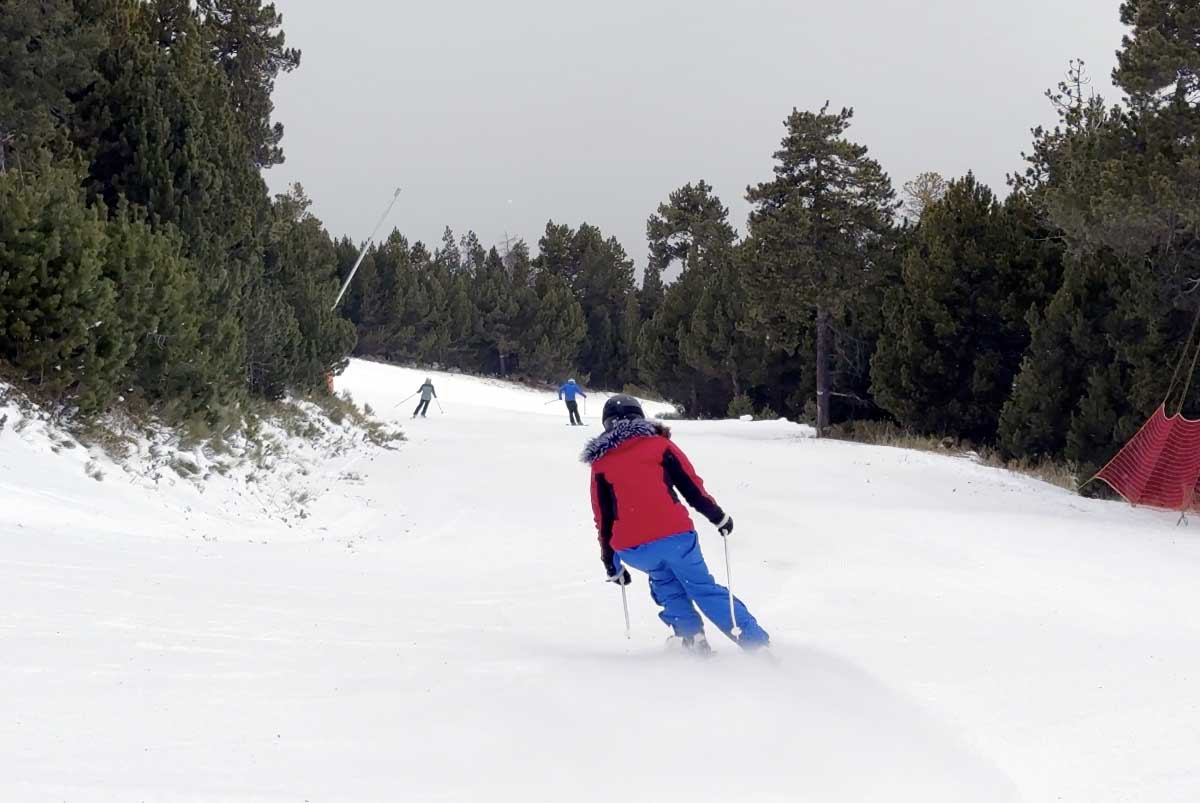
<point x="725" y="528"/>
<point x="621" y="578"/>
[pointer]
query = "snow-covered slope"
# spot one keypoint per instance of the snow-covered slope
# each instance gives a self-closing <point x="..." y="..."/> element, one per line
<point x="438" y="628"/>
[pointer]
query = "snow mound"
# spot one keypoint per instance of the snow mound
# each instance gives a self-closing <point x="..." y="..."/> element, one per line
<point x="260" y="478"/>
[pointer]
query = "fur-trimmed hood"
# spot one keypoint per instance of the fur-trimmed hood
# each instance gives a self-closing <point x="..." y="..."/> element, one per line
<point x="622" y="432"/>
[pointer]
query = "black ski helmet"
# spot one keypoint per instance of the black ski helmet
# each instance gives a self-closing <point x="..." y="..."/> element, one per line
<point x="621" y="408"/>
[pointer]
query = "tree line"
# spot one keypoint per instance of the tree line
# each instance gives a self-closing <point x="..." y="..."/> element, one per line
<point x="1045" y="323"/>
<point x="140" y="252"/>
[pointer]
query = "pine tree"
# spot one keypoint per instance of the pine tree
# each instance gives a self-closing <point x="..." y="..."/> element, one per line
<point x="472" y="252"/>
<point x="461" y="320"/>
<point x="556" y="253"/>
<point x="1120" y="184"/>
<point x="600" y="275"/>
<point x="550" y="346"/>
<point x="161" y="133"/>
<point x="650" y="296"/>
<point x="272" y="341"/>
<point x="1093" y="370"/>
<point x="810" y="232"/>
<point x="715" y="344"/>
<point x="603" y="283"/>
<point x="692" y="221"/>
<point x="302" y="261"/>
<point x="360" y="288"/>
<point x="53" y="291"/>
<point x="431" y="306"/>
<point x="1159" y="63"/>
<point x="659" y="360"/>
<point x="396" y="299"/>
<point x="248" y="45"/>
<point x="91" y="306"/>
<point x="955" y="329"/>
<point x="630" y="329"/>
<point x="671" y="232"/>
<point x="157" y="333"/>
<point x="449" y="256"/>
<point x="47" y="56"/>
<point x="519" y="264"/>
<point x="695" y="348"/>
<point x="525" y="300"/>
<point x="499" y="313"/>
<point x="173" y="274"/>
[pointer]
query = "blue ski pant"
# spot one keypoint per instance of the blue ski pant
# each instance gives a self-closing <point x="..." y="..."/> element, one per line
<point x="678" y="578"/>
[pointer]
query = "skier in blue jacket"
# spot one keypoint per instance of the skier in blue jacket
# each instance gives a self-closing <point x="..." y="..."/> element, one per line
<point x="569" y="391"/>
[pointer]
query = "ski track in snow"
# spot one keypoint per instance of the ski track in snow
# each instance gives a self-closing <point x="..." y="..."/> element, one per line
<point x="438" y="629"/>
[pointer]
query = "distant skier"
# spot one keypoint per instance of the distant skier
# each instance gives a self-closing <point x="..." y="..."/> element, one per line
<point x="636" y="471"/>
<point x="427" y="394"/>
<point x="569" y="391"/>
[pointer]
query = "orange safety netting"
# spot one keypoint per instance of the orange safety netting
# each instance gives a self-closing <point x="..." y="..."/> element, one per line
<point x="1160" y="466"/>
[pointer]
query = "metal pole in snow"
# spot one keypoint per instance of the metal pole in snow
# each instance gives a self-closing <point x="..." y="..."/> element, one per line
<point x="363" y="253"/>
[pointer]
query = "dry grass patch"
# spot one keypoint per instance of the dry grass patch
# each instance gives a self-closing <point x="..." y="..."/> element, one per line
<point x="887" y="433"/>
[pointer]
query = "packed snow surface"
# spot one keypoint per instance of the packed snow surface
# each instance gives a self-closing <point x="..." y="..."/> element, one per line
<point x="438" y="628"/>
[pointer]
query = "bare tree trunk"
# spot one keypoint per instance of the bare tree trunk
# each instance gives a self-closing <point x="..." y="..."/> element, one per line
<point x="823" y="333"/>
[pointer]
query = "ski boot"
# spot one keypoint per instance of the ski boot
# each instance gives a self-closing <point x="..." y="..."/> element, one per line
<point x="697" y="644"/>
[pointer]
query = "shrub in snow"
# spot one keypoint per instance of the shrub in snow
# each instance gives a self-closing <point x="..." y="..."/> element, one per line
<point x="741" y="406"/>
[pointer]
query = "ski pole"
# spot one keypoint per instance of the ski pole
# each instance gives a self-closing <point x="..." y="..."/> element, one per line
<point x="552" y="401"/>
<point x="406" y="398"/>
<point x="625" y="605"/>
<point x="439" y="404"/>
<point x="735" y="630"/>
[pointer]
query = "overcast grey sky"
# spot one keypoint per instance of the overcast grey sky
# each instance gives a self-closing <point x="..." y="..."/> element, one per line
<point x="498" y="116"/>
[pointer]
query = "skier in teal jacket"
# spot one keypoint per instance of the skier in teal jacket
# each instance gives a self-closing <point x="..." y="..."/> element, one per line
<point x="427" y="394"/>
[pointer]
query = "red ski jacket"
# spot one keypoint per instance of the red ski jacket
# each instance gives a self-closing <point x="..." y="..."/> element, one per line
<point x="636" y="471"/>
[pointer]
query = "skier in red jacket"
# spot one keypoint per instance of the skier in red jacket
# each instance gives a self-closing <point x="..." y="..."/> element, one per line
<point x="638" y="475"/>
